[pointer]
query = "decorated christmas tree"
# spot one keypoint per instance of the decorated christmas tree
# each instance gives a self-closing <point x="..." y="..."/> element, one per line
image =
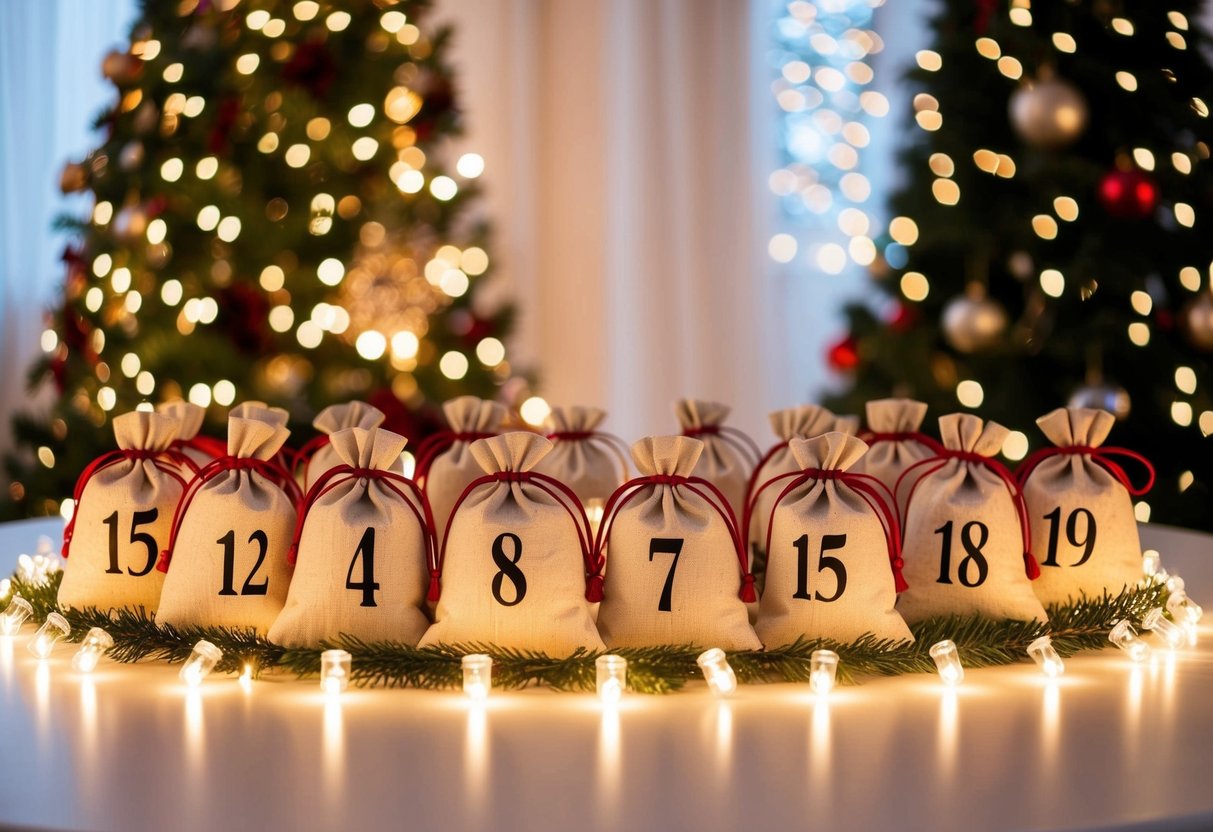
<point x="279" y="214"/>
<point x="1051" y="243"/>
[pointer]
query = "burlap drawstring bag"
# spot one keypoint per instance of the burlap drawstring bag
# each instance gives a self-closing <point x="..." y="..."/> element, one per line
<point x="1080" y="509"/>
<point x="835" y="557"/>
<point x="729" y="456"/>
<point x="316" y="457"/>
<point x="847" y="424"/>
<point x="677" y="570"/>
<point x="587" y="460"/>
<point x="363" y="549"/>
<point x="124" y="504"/>
<point x="444" y="462"/>
<point x="515" y="566"/>
<point x="231" y="533"/>
<point x="801" y="422"/>
<point x="966" y="535"/>
<point x="201" y="449"/>
<point x="895" y="440"/>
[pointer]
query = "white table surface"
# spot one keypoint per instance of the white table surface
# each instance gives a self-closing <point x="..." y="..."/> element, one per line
<point x="1108" y="745"/>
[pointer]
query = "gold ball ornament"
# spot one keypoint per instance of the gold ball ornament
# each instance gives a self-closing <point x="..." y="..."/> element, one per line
<point x="1196" y="321"/>
<point x="1048" y="113"/>
<point x="973" y="323"/>
<point x="120" y="67"/>
<point x="1110" y="397"/>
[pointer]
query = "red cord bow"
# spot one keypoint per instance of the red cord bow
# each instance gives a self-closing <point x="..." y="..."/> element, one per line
<point x="1031" y="567"/>
<point x="613" y="443"/>
<point x="871" y="490"/>
<point x="270" y="469"/>
<point x="391" y="480"/>
<point x="732" y="437"/>
<point x="435" y="444"/>
<point x="169" y="462"/>
<point x="624" y="494"/>
<point x="1101" y="455"/>
<point x="555" y="489"/>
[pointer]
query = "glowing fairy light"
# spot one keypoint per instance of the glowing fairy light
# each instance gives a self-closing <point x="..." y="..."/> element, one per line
<point x="947" y="662"/>
<point x="823" y="671"/>
<point x="1171" y="633"/>
<point x="477" y="676"/>
<point x="334" y="671"/>
<point x="16" y="614"/>
<point x="1046" y="658"/>
<point x="91" y="650"/>
<point x="716" y="671"/>
<point x="200" y="663"/>
<point x="1125" y="637"/>
<point x="612" y="681"/>
<point x="52" y="630"/>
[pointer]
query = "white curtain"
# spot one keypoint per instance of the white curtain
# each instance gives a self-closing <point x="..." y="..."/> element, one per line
<point x="50" y="90"/>
<point x="626" y="181"/>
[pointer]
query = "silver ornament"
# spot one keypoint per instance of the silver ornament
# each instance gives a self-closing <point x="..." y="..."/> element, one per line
<point x="1110" y="397"/>
<point x="1049" y="113"/>
<point x="971" y="324"/>
<point x="1197" y="321"/>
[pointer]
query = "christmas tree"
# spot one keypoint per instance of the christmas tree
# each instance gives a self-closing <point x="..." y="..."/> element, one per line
<point x="1051" y="243"/>
<point x="279" y="215"/>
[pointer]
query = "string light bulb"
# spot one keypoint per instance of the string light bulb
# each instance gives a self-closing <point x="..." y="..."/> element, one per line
<point x="1175" y="584"/>
<point x="1171" y="633"/>
<point x="1183" y="609"/>
<point x="823" y="671"/>
<point x="1046" y="658"/>
<point x="14" y="616"/>
<point x="52" y="630"/>
<point x="477" y="676"/>
<point x="201" y="662"/>
<point x="716" y="670"/>
<point x="947" y="662"/>
<point x="1151" y="562"/>
<point x="91" y="650"/>
<point x="612" y="678"/>
<point x="334" y="671"/>
<point x="1125" y="637"/>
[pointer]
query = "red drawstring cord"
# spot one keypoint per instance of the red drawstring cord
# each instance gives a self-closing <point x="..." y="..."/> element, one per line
<point x="748" y="506"/>
<point x="871" y="490"/>
<point x="341" y="474"/>
<point x="733" y="437"/>
<point x="546" y="484"/>
<point x="1031" y="567"/>
<point x="304" y="455"/>
<point x="168" y="462"/>
<point x="616" y="445"/>
<point x="1101" y="455"/>
<point x="434" y="444"/>
<point x="630" y="489"/>
<point x="213" y="448"/>
<point x="873" y="437"/>
<point x="269" y="469"/>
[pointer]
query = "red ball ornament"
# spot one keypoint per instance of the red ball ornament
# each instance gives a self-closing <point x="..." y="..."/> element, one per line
<point x="844" y="355"/>
<point x="1128" y="194"/>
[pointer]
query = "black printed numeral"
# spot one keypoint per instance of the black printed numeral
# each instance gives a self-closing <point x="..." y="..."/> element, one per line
<point x="829" y="542"/>
<point x="139" y="518"/>
<point x="368" y="586"/>
<point x="666" y="546"/>
<point x="507" y="567"/>
<point x="228" y="542"/>
<point x="973" y="556"/>
<point x="1088" y="539"/>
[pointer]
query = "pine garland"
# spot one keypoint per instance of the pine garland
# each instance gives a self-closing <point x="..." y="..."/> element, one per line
<point x="982" y="642"/>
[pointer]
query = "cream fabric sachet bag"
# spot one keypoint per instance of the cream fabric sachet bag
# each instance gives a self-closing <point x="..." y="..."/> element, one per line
<point x="189" y="441"/>
<point x="363" y="549"/>
<point x="317" y="456"/>
<point x="445" y="464"/>
<point x="835" y="564"/>
<point x="729" y="456"/>
<point x="895" y="439"/>
<point x="515" y="565"/>
<point x="802" y="422"/>
<point x="677" y="570"/>
<point x="124" y="502"/>
<point x="590" y="462"/>
<point x="1080" y="509"/>
<point x="966" y="543"/>
<point x="227" y="555"/>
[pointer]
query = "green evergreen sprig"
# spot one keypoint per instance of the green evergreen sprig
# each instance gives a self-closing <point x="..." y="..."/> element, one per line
<point x="982" y="642"/>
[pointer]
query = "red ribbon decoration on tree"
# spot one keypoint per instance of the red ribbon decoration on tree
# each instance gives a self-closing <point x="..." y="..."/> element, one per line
<point x="394" y="482"/>
<point x="269" y="469"/>
<point x="555" y="489"/>
<point x="1101" y="455"/>
<point x="630" y="489"/>
<point x="169" y="462"/>
<point x="1031" y="567"/>
<point x="871" y="490"/>
<point x="436" y="443"/>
